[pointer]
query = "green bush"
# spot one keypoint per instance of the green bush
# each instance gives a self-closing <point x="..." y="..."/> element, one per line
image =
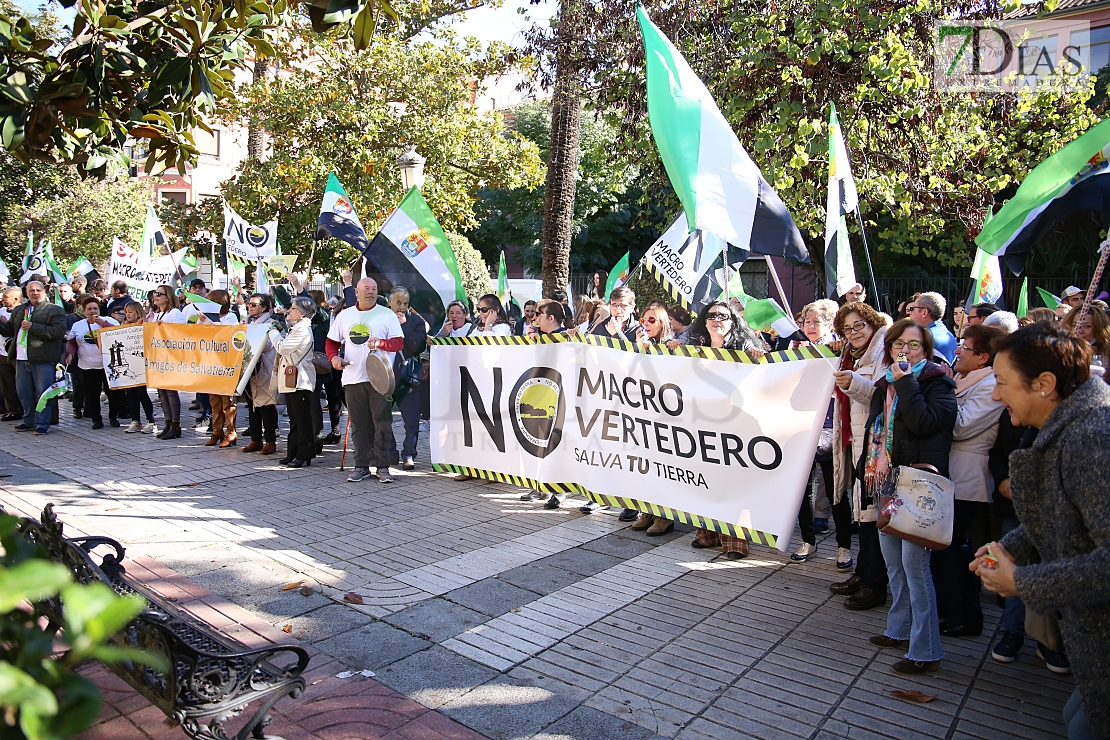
<point x="472" y="268"/>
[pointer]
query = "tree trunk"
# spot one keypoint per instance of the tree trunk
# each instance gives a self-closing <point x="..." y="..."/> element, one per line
<point x="256" y="137"/>
<point x="562" y="158"/>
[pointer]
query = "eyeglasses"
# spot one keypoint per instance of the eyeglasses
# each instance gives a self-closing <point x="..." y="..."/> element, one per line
<point x="968" y="348"/>
<point x="912" y="344"/>
<point x="621" y="306"/>
<point x="718" y="317"/>
<point x="857" y="327"/>
<point x="255" y="304"/>
<point x="485" y="309"/>
<point x="648" y="320"/>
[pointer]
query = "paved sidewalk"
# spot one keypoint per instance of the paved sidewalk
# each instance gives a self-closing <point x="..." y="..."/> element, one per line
<point x="516" y="621"/>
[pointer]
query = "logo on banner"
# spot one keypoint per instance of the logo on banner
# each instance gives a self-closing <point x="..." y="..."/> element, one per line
<point x="416" y="242"/>
<point x="239" y="340"/>
<point x="257" y="237"/>
<point x="538" y="408"/>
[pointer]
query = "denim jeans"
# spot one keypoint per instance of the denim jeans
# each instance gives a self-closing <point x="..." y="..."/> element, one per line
<point x="1013" y="614"/>
<point x="31" y="381"/>
<point x="913" y="615"/>
<point x="1076" y="720"/>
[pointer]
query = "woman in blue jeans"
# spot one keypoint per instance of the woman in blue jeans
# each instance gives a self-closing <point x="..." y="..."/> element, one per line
<point x="913" y="412"/>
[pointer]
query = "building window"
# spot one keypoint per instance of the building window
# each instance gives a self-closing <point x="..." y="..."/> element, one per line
<point x="208" y="144"/>
<point x="177" y="196"/>
<point x="1100" y="48"/>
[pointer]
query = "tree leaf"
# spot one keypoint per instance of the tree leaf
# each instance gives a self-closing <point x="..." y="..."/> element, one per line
<point x="293" y="585"/>
<point x="912" y="695"/>
<point x="31" y="580"/>
<point x="353" y="598"/>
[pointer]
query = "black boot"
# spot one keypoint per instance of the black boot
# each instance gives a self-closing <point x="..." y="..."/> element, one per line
<point x="165" y="430"/>
<point x="176" y="431"/>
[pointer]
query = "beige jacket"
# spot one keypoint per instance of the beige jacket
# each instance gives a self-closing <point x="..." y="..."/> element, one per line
<point x="869" y="369"/>
<point x="294" y="349"/>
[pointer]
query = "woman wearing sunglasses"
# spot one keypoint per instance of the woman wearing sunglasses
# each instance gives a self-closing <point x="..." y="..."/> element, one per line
<point x="910" y="422"/>
<point x="165" y="311"/>
<point x="655" y="327"/>
<point x="492" y="319"/>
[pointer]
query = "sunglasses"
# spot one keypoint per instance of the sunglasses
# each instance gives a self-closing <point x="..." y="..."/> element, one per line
<point x="648" y="320"/>
<point x="159" y="295"/>
<point x="485" y="309"/>
<point x="255" y="305"/>
<point x="912" y="344"/>
<point x="718" y="317"/>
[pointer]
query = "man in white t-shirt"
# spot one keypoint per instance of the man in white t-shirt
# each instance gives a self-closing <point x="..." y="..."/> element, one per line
<point x="13" y="409"/>
<point x="355" y="333"/>
<point x="82" y="342"/>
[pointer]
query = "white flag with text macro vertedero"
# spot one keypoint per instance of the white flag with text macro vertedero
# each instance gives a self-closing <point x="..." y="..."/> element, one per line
<point x="709" y="436"/>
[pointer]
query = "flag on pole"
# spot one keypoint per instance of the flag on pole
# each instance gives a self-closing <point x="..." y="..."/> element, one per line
<point x="767" y="315"/>
<point x="988" y="278"/>
<point x="81" y="267"/>
<point x="34" y="263"/>
<point x="188" y="262"/>
<point x="1074" y="178"/>
<point x="503" y="281"/>
<point x="28" y="250"/>
<point x="840" y="271"/>
<point x="720" y="187"/>
<point x="1050" y="300"/>
<point x="338" y="218"/>
<point x="154" y="239"/>
<point x="412" y="250"/>
<point x="1023" y="300"/>
<point x="262" y="283"/>
<point x="246" y="241"/>
<point x="58" y="298"/>
<point x="58" y="388"/>
<point x="618" y="275"/>
<point x="56" y="275"/>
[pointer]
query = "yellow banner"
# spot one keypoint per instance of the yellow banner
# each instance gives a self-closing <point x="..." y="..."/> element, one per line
<point x="197" y="358"/>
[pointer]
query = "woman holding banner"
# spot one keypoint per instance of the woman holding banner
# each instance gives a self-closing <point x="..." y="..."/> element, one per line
<point x="224" y="409"/>
<point x="913" y="413"/>
<point x="719" y="327"/>
<point x="296" y="378"/>
<point x="166" y="311"/>
<point x="137" y="398"/>
<point x="864" y="330"/>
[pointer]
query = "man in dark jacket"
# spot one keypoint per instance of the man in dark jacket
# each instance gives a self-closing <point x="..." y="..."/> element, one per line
<point x="39" y="328"/>
<point x="415" y="330"/>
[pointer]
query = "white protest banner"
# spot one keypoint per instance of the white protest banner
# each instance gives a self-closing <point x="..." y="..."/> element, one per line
<point x="703" y="436"/>
<point x="257" y="343"/>
<point x="122" y="349"/>
<point x="679" y="259"/>
<point x="248" y="243"/>
<point x="123" y="264"/>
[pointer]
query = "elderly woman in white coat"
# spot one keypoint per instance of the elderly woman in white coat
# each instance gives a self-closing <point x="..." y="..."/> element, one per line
<point x="977" y="418"/>
<point x="864" y="330"/>
<point x="295" y="376"/>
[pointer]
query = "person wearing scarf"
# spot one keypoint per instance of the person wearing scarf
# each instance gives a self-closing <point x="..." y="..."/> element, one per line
<point x="913" y="412"/>
<point x="863" y="362"/>
<point x="977" y="418"/>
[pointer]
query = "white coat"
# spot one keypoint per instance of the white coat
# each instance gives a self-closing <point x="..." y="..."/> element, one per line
<point x="295" y="348"/>
<point x="976" y="429"/>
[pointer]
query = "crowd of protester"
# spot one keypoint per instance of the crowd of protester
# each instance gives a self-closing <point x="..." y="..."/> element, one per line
<point x="1014" y="411"/>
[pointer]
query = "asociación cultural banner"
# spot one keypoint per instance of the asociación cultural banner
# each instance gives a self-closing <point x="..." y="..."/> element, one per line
<point x="124" y="360"/>
<point x="703" y="436"/>
<point x="192" y="357"/>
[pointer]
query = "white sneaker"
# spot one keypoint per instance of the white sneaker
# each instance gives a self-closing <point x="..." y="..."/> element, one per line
<point x="150" y="429"/>
<point x="425" y="425"/>
<point x="843" y="559"/>
<point x="803" y="553"/>
<point x="133" y="427"/>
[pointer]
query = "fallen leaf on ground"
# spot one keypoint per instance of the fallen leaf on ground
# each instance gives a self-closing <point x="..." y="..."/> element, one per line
<point x="293" y="585"/>
<point x="287" y="629"/>
<point x="912" y="695"/>
<point x="516" y="610"/>
<point x="353" y="598"/>
<point x="307" y="591"/>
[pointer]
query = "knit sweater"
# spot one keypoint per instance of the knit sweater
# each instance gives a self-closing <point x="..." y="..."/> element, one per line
<point x="1062" y="547"/>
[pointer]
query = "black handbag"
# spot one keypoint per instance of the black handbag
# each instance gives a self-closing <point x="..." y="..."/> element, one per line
<point x="412" y="372"/>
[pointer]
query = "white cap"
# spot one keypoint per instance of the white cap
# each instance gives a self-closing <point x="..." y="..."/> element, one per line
<point x="1070" y="291"/>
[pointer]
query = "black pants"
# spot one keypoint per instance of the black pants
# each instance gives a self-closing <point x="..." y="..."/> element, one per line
<point x="842" y="512"/>
<point x="870" y="565"/>
<point x="7" y="388"/>
<point x="77" y="375"/>
<point x="92" y="382"/>
<point x="957" y="587"/>
<point x="333" y="386"/>
<point x="137" y="401"/>
<point x="302" y="443"/>
<point x="262" y="423"/>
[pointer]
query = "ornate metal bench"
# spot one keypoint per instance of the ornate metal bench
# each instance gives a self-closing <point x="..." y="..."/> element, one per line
<point x="212" y="678"/>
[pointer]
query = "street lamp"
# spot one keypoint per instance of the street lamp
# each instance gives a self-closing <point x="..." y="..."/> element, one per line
<point x="411" y="165"/>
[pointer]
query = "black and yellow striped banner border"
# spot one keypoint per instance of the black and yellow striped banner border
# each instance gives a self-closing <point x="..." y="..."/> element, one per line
<point x="683" y="350"/>
<point x="668" y="286"/>
<point x="713" y="525"/>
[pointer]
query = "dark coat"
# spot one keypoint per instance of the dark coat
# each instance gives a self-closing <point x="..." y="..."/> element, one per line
<point x="1063" y="544"/>
<point x="923" y="419"/>
<point x="415" y="331"/>
<point x="45" y="338"/>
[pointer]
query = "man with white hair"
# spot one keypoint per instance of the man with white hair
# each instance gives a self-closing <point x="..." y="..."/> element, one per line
<point x="927" y="312"/>
<point x="39" y="328"/>
<point x="1004" y="320"/>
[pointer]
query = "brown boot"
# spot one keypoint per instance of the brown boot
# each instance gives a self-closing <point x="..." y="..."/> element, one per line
<point x="214" y="440"/>
<point x="660" y="527"/>
<point x="230" y="440"/>
<point x="254" y="446"/>
<point x="643" y="522"/>
<point x="268" y="449"/>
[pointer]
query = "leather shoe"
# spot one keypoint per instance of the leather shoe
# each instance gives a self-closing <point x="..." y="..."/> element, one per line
<point x="230" y="440"/>
<point x="888" y="642"/>
<point x="864" y="599"/>
<point x="286" y="460"/>
<point x="214" y="440"/>
<point x="959" y="630"/>
<point x="848" y="587"/>
<point x="254" y="446"/>
<point x="269" y="448"/>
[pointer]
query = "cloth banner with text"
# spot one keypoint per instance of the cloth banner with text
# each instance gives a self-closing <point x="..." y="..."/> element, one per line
<point x="701" y="436"/>
<point x="123" y="264"/>
<point x="193" y="357"/>
<point x="124" y="359"/>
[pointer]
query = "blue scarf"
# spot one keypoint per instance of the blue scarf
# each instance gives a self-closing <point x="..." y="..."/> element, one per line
<point x="916" y="370"/>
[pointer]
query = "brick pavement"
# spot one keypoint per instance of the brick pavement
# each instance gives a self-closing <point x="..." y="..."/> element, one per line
<point x="512" y="620"/>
